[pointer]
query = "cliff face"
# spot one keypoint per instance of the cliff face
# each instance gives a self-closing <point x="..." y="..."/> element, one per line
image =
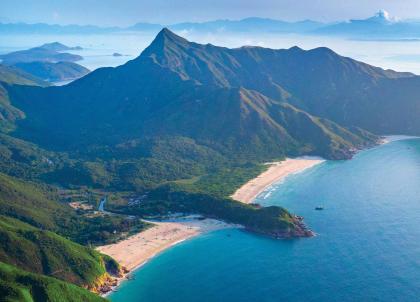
<point x="103" y="284"/>
<point x="20" y="285"/>
<point x="114" y="273"/>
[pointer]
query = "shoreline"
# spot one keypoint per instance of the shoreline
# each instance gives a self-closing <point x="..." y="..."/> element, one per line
<point x="276" y="172"/>
<point x="135" y="251"/>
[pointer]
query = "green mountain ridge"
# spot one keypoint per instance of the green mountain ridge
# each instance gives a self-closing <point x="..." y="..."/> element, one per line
<point x="46" y="253"/>
<point x="12" y="75"/>
<point x="154" y="90"/>
<point x="19" y="286"/>
<point x="318" y="81"/>
<point x="183" y="125"/>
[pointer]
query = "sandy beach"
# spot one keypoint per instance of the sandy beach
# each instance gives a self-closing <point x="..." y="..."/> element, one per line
<point x="277" y="171"/>
<point x="137" y="249"/>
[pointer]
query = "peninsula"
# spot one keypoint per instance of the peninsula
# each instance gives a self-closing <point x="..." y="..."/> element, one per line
<point x="137" y="249"/>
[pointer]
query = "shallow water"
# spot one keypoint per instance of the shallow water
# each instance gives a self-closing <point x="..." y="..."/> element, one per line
<point x="367" y="248"/>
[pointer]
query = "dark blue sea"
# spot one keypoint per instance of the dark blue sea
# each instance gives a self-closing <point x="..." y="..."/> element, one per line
<point x="367" y="247"/>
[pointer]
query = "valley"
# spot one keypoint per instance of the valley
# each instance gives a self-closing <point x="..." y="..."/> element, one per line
<point x="90" y="168"/>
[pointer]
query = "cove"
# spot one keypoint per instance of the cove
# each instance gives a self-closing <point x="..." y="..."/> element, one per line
<point x="367" y="247"/>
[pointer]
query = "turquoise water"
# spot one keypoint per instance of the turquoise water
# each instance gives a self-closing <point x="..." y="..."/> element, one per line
<point x="368" y="247"/>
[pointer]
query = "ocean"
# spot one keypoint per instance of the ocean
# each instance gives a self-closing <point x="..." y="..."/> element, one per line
<point x="367" y="247"/>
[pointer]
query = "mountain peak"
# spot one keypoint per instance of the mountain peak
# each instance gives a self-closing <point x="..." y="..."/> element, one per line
<point x="382" y="16"/>
<point x="296" y="48"/>
<point x="167" y="35"/>
<point x="166" y="32"/>
<point x="164" y="40"/>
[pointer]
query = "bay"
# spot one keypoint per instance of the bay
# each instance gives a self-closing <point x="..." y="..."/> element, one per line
<point x="367" y="247"/>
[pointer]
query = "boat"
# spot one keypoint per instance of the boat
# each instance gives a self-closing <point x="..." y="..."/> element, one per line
<point x="319" y="208"/>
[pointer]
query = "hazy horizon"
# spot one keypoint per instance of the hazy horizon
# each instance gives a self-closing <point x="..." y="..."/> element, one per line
<point x="108" y="13"/>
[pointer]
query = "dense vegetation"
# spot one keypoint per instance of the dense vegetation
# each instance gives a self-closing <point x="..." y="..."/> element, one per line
<point x="274" y="221"/>
<point x="170" y="122"/>
<point x="47" y="253"/>
<point x="35" y="229"/>
<point x="11" y="75"/>
<point x="225" y="181"/>
<point x="37" y="205"/>
<point x="191" y="124"/>
<point x="208" y="195"/>
<point x="19" y="286"/>
<point x="25" y="160"/>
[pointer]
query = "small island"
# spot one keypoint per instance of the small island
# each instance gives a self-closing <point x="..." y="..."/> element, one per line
<point x="48" y="62"/>
<point x="57" y="46"/>
<point x="52" y="52"/>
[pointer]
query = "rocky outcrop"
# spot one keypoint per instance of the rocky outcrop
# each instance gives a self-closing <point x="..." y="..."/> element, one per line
<point x="109" y="280"/>
<point x="298" y="229"/>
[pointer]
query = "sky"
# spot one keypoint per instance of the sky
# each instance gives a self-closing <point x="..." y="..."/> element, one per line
<point x="128" y="12"/>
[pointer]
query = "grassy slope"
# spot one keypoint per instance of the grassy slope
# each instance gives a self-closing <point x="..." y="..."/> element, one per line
<point x="19" y="286"/>
<point x="8" y="113"/>
<point x="12" y="75"/>
<point x="319" y="81"/>
<point x="47" y="253"/>
<point x="33" y="246"/>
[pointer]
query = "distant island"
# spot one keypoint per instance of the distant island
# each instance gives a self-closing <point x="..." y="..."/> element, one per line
<point x="47" y="62"/>
<point x="45" y="53"/>
<point x="57" y="46"/>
